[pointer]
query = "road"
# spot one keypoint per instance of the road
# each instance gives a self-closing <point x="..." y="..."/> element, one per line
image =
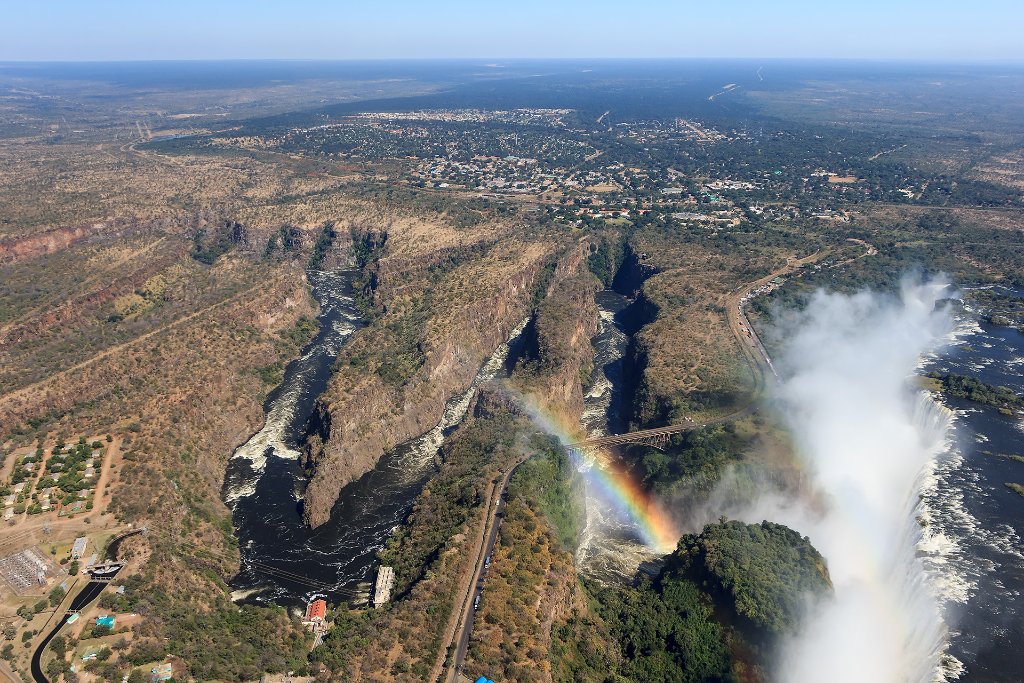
<point x="753" y="350"/>
<point x="473" y="589"/>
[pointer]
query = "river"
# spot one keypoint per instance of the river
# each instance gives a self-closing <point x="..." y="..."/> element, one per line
<point x="283" y="560"/>
<point x="974" y="522"/>
<point x="610" y="547"/>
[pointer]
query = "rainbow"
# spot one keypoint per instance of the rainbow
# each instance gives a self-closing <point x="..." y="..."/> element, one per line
<point x="611" y="480"/>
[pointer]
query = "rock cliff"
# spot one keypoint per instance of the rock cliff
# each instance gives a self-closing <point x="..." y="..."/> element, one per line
<point x="474" y="307"/>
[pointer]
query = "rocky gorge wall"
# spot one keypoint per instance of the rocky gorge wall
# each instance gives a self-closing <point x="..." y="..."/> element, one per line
<point x="362" y="416"/>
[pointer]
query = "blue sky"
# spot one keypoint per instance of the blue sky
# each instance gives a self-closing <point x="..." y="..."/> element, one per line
<point x="990" y="30"/>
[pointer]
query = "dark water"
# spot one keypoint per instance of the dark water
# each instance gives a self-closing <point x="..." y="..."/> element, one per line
<point x="978" y="522"/>
<point x="610" y="548"/>
<point x="283" y="560"/>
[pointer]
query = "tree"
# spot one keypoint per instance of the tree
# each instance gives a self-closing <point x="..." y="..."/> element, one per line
<point x="57" y="666"/>
<point x="73" y="567"/>
<point x="99" y="631"/>
<point x="59" y="645"/>
<point x="763" y="571"/>
<point x="57" y="595"/>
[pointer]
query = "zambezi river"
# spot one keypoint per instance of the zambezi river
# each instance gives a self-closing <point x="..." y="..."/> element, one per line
<point x="610" y="547"/>
<point x="975" y="522"/>
<point x="283" y="560"/>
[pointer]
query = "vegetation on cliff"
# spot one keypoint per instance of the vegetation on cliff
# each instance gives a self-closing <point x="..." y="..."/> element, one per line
<point x="665" y="631"/>
<point x="530" y="584"/>
<point x="696" y="457"/>
<point x="765" y="572"/>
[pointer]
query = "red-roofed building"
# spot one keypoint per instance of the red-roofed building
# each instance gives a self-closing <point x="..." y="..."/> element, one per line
<point x="316" y="612"/>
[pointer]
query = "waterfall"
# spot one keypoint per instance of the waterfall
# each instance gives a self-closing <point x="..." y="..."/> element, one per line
<point x="866" y="444"/>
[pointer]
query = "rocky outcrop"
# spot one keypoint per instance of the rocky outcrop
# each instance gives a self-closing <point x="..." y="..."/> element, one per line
<point x="51" y="240"/>
<point x="561" y="354"/>
<point x="358" y="420"/>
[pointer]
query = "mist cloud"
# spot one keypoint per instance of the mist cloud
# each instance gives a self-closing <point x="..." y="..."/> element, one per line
<point x="864" y="436"/>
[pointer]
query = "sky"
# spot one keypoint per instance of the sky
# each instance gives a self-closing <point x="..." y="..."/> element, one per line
<point x="933" y="30"/>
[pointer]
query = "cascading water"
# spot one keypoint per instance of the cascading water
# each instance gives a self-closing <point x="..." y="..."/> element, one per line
<point x="867" y="442"/>
<point x="282" y="559"/>
<point x="939" y="589"/>
<point x="610" y="546"/>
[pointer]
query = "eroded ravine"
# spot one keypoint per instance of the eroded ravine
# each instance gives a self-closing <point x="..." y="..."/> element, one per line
<point x="611" y="548"/>
<point x="283" y="559"/>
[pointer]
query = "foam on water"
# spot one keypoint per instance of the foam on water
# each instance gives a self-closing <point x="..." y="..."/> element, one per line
<point x="610" y="549"/>
<point x="276" y="438"/>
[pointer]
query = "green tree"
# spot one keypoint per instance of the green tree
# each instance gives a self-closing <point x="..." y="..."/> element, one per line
<point x="57" y="595"/>
<point x="59" y="645"/>
<point x="56" y="667"/>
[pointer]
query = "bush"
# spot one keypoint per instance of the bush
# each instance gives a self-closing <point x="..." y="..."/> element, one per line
<point x="57" y="595"/>
<point x="763" y="571"/>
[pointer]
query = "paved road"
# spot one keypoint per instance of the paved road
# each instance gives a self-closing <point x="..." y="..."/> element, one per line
<point x="494" y="517"/>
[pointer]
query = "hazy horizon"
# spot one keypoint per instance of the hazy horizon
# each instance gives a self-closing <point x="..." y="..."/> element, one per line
<point x="114" y="30"/>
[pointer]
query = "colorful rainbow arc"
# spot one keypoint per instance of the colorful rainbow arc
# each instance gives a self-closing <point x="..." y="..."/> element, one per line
<point x="613" y="481"/>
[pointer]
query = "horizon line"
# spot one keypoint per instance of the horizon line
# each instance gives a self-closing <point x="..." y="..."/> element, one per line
<point x="1015" y="61"/>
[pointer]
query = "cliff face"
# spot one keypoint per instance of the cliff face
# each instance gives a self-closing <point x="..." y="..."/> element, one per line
<point x="562" y="355"/>
<point x="633" y="272"/>
<point x="475" y="308"/>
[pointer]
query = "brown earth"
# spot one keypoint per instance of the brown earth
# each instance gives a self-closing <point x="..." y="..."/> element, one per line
<point x="475" y="307"/>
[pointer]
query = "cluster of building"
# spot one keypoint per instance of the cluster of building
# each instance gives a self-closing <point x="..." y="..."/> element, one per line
<point x="64" y="481"/>
<point x="687" y="130"/>
<point x="510" y="174"/>
<point x="525" y="116"/>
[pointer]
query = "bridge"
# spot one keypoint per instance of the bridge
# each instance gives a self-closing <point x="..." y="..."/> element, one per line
<point x="657" y="437"/>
